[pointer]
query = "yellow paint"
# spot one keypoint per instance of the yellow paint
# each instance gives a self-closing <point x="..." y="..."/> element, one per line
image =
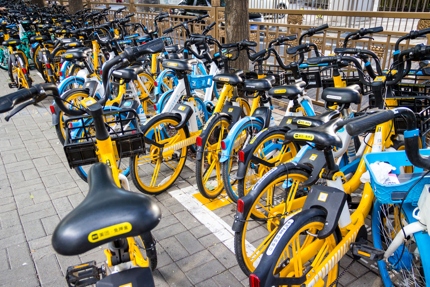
<point x="313" y="156"/>
<point x="230" y="110"/>
<point x="213" y="204"/>
<point x="304" y="123"/>
<point x="303" y="136"/>
<point x="181" y="108"/>
<point x="280" y="91"/>
<point x="322" y="196"/>
<point x="68" y="56"/>
<point x="80" y="266"/>
<point x="363" y="253"/>
<point x="126" y="285"/>
<point x="110" y="231"/>
<point x="171" y="64"/>
<point x="380" y="79"/>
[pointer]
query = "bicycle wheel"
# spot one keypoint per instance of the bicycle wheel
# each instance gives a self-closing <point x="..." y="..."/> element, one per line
<point x="404" y="267"/>
<point x="4" y="57"/>
<point x="297" y="251"/>
<point x="158" y="168"/>
<point x="146" y="93"/>
<point x="267" y="150"/>
<point x="17" y="75"/>
<point x="72" y="100"/>
<point x="147" y="246"/>
<point x="208" y="169"/>
<point x="70" y="84"/>
<point x="273" y="200"/>
<point x="230" y="166"/>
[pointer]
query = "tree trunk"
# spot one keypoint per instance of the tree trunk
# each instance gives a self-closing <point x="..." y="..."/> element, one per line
<point x="75" y="6"/>
<point x="39" y="3"/>
<point x="237" y="28"/>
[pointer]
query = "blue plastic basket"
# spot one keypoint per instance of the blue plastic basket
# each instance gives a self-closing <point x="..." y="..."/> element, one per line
<point x="394" y="193"/>
<point x="200" y="81"/>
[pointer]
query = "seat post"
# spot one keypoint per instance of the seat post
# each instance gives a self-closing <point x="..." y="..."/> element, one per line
<point x="332" y="167"/>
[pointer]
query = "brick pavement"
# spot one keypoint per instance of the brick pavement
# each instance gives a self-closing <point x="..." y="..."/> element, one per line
<point x="37" y="188"/>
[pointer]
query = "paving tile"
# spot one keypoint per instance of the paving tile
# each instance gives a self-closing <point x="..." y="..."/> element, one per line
<point x="48" y="269"/>
<point x="190" y="243"/>
<point x="175" y="250"/>
<point x="33" y="229"/>
<point x="227" y="279"/>
<point x="4" y="260"/>
<point x="19" y="255"/>
<point x="205" y="271"/>
<point x="194" y="260"/>
<point x="174" y="276"/>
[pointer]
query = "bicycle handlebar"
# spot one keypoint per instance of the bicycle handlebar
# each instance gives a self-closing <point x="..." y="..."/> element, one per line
<point x="411" y="134"/>
<point x="361" y="33"/>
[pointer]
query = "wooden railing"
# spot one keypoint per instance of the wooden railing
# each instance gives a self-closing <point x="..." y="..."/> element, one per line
<point x="286" y="22"/>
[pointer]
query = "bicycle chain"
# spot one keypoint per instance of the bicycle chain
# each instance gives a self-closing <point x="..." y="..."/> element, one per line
<point x="342" y="273"/>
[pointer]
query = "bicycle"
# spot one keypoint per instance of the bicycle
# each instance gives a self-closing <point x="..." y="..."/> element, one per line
<point x="177" y="127"/>
<point x="324" y="229"/>
<point x="299" y="104"/>
<point x="108" y="213"/>
<point x="283" y="189"/>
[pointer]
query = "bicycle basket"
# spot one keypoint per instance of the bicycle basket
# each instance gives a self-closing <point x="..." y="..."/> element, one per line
<point x="200" y="81"/>
<point x="394" y="193"/>
<point x="123" y="128"/>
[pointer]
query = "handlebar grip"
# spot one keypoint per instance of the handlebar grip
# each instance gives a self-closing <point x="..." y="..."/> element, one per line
<point x="359" y="126"/>
<point x="375" y="30"/>
<point x="295" y="49"/>
<point x="208" y="28"/>
<point x="283" y="39"/>
<point x="130" y="15"/>
<point x="246" y="44"/>
<point x="9" y="101"/>
<point x="257" y="55"/>
<point x="320" y="60"/>
<point x="320" y="28"/>
<point x="346" y="50"/>
<point x="167" y="31"/>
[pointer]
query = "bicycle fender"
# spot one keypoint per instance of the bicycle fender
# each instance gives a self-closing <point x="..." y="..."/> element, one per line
<point x="270" y="256"/>
<point x="234" y="112"/>
<point x="55" y="117"/>
<point x="229" y="140"/>
<point x="160" y="77"/>
<point x="248" y="155"/>
<point x="264" y="114"/>
<point x="184" y="112"/>
<point x="315" y="159"/>
<point x="329" y="199"/>
<point x="206" y="130"/>
<point x="91" y="86"/>
<point x="68" y="81"/>
<point x="239" y="218"/>
<point x="64" y="66"/>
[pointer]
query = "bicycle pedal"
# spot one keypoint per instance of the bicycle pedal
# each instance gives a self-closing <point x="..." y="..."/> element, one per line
<point x="367" y="252"/>
<point x="13" y="85"/>
<point x="84" y="274"/>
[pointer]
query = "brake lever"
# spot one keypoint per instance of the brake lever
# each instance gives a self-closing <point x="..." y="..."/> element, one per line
<point x="19" y="108"/>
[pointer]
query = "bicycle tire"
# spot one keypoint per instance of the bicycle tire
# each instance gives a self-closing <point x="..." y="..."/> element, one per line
<point x="283" y="258"/>
<point x="230" y="166"/>
<point x="267" y="210"/>
<point x="405" y="265"/>
<point x="151" y="253"/>
<point x="73" y="97"/>
<point x="151" y="167"/>
<point x="208" y="168"/>
<point x="267" y="148"/>
<point x="4" y="57"/>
